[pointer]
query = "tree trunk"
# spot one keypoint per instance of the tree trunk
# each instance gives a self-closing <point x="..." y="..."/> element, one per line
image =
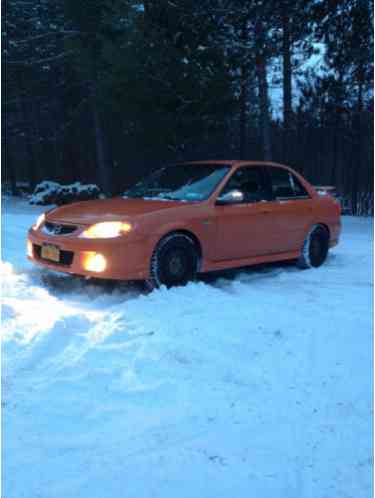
<point x="264" y="107"/>
<point x="25" y="122"/>
<point x="10" y="171"/>
<point x="358" y="148"/>
<point x="43" y="173"/>
<point x="261" y="69"/>
<point x="244" y="97"/>
<point x="287" y="69"/>
<point x="103" y="166"/>
<point x="243" y="113"/>
<point x="287" y="81"/>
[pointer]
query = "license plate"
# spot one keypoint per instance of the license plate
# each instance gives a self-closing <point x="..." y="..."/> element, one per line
<point x="50" y="252"/>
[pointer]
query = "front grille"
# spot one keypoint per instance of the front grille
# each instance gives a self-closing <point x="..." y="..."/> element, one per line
<point x="66" y="257"/>
<point x="58" y="229"/>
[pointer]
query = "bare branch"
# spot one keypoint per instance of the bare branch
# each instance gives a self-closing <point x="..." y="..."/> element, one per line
<point x="51" y="33"/>
<point x="41" y="61"/>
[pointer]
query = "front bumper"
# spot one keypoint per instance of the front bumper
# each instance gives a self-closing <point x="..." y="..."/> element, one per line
<point x="126" y="260"/>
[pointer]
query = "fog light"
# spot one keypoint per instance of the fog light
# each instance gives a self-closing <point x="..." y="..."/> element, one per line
<point x="29" y="249"/>
<point x="94" y="261"/>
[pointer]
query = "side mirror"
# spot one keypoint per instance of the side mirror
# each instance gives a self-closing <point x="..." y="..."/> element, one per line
<point x="231" y="197"/>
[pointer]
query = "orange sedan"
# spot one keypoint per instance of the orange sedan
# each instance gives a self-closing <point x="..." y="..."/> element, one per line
<point x="190" y="218"/>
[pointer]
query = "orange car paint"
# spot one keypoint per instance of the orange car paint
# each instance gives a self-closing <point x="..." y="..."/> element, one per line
<point x="229" y="235"/>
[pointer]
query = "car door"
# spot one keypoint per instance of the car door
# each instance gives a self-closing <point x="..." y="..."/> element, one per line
<point x="290" y="213"/>
<point x="240" y="227"/>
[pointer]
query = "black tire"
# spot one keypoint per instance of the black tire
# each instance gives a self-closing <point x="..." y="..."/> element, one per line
<point x="315" y="248"/>
<point x="174" y="262"/>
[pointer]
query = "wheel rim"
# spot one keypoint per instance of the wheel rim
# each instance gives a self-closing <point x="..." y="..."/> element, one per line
<point x="176" y="264"/>
<point x="176" y="267"/>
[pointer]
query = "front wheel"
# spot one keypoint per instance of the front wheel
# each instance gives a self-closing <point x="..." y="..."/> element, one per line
<point x="174" y="262"/>
<point x="315" y="248"/>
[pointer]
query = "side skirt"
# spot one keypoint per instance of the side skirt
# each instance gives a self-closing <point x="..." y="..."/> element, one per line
<point x="255" y="260"/>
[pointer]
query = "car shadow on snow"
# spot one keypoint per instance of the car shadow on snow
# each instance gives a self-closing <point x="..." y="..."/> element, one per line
<point x="62" y="284"/>
<point x="264" y="270"/>
<point x="247" y="273"/>
<point x="70" y="284"/>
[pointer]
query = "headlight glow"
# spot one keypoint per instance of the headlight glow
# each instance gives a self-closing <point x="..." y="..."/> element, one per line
<point x="39" y="221"/>
<point x="95" y="262"/>
<point x="106" y="230"/>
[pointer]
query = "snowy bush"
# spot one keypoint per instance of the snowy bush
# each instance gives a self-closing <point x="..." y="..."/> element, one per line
<point x="44" y="193"/>
<point x="48" y="192"/>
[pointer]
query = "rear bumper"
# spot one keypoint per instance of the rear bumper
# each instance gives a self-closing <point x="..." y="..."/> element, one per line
<point x="125" y="260"/>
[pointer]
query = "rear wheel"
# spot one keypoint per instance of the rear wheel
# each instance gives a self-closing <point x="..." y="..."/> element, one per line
<point x="174" y="261"/>
<point x="315" y="248"/>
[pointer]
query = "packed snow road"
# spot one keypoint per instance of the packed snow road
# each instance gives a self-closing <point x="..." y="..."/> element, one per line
<point x="252" y="385"/>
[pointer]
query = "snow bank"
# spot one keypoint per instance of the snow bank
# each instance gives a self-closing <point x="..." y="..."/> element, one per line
<point x="251" y="383"/>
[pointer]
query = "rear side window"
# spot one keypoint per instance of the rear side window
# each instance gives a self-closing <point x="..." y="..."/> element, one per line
<point x="285" y="185"/>
<point x="250" y="181"/>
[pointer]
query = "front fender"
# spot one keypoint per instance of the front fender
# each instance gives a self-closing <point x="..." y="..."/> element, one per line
<point x="203" y="230"/>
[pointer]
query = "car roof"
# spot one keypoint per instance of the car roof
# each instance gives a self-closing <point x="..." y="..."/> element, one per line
<point x="236" y="162"/>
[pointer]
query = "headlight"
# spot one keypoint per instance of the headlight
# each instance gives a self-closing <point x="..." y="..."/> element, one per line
<point x="39" y="221"/>
<point x="106" y="230"/>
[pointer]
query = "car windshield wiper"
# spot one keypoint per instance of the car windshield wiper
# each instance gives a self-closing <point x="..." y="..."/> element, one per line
<point x="169" y="197"/>
<point x="151" y="194"/>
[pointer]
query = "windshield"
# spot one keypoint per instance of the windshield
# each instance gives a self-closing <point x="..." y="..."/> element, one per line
<point x="185" y="182"/>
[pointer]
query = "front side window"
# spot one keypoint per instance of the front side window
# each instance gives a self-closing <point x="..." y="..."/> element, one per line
<point x="285" y="185"/>
<point x="184" y="182"/>
<point x="249" y="180"/>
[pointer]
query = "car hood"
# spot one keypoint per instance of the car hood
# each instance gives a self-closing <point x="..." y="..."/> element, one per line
<point x="117" y="209"/>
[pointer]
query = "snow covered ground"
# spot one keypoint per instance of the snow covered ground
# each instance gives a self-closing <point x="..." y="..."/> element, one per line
<point x="256" y="384"/>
